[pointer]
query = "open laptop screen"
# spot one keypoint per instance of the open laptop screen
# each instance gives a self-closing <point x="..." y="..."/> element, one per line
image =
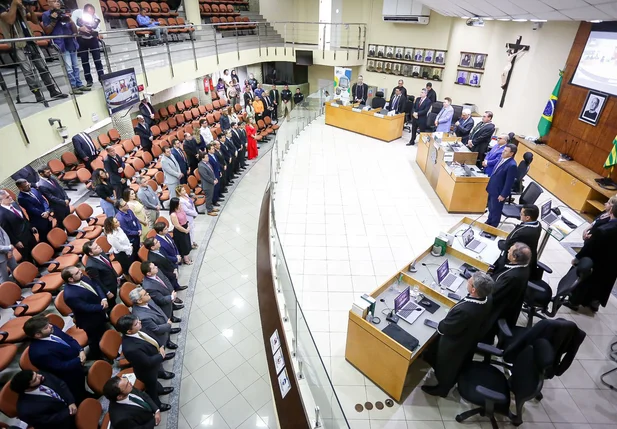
<point x="467" y="236"/>
<point x="401" y="299"/>
<point x="546" y="209"/>
<point x="442" y="271"/>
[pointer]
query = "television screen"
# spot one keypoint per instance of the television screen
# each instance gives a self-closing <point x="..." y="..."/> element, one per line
<point x="597" y="68"/>
<point x="120" y="89"/>
<point x="304" y="58"/>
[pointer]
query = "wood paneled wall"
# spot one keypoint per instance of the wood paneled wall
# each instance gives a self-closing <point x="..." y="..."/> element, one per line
<point x="594" y="143"/>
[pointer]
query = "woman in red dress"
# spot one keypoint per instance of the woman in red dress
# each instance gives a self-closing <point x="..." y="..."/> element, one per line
<point x="252" y="143"/>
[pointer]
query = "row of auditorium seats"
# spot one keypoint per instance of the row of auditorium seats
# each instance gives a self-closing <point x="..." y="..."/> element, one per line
<point x="216" y="10"/>
<point x="122" y="9"/>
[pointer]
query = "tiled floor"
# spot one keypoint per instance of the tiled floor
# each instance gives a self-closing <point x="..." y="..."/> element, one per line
<point x="350" y="211"/>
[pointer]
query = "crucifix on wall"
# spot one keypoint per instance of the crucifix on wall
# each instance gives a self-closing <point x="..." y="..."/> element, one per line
<point x="513" y="50"/>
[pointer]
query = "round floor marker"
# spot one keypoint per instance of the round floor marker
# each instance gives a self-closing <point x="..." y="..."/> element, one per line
<point x="389" y="403"/>
<point x="379" y="405"/>
<point x="368" y="405"/>
<point x="359" y="408"/>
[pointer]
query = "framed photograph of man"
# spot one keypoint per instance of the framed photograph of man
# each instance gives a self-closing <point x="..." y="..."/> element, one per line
<point x="462" y="77"/>
<point x="389" y="51"/>
<point x="429" y="56"/>
<point x="379" y="66"/>
<point x="396" y="69"/>
<point x="466" y="59"/>
<point x="381" y="51"/>
<point x="415" y="71"/>
<point x="418" y="55"/>
<point x="440" y="57"/>
<point x="387" y="67"/>
<point x="479" y="61"/>
<point x="407" y="70"/>
<point x="436" y="73"/>
<point x="408" y="54"/>
<point x="370" y="66"/>
<point x="372" y="50"/>
<point x="592" y="108"/>
<point x="399" y="53"/>
<point x="474" y="79"/>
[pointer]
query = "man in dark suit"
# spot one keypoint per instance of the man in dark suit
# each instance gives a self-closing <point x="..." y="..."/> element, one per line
<point x="359" y="91"/>
<point x="36" y="207"/>
<point x="45" y="401"/>
<point x="430" y="92"/>
<point x="85" y="149"/>
<point x="168" y="269"/>
<point x="100" y="269"/>
<point x="214" y="162"/>
<point x="481" y="135"/>
<point x="88" y="303"/>
<point x="53" y="351"/>
<point x="16" y="226"/>
<point x="145" y="135"/>
<point x="182" y="160"/>
<point x="275" y="97"/>
<point x="59" y="201"/>
<point x="420" y="111"/>
<point x="401" y="88"/>
<point x="463" y="126"/>
<point x="160" y="289"/>
<point x="168" y="247"/>
<point x="147" y="111"/>
<point x="268" y="105"/>
<point x="191" y="150"/>
<point x="527" y="232"/>
<point x="154" y="320"/>
<point x="499" y="185"/>
<point x="236" y="139"/>
<point x="145" y="355"/>
<point x="397" y="104"/>
<point x="114" y="165"/>
<point x="128" y="407"/>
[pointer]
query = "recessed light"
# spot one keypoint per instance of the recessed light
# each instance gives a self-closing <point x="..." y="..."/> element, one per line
<point x="519" y="20"/>
<point x="503" y="19"/>
<point x="464" y="17"/>
<point x="489" y="19"/>
<point x="595" y="21"/>
<point x="538" y="20"/>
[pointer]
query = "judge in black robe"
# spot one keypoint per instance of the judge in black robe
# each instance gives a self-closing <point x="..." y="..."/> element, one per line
<point x="527" y="232"/>
<point x="596" y="289"/>
<point x="459" y="333"/>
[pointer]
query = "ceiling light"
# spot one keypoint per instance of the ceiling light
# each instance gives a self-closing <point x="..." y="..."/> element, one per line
<point x="519" y="20"/>
<point x="464" y="17"/>
<point x="595" y="21"/>
<point x="538" y="20"/>
<point x="489" y="19"/>
<point x="503" y="19"/>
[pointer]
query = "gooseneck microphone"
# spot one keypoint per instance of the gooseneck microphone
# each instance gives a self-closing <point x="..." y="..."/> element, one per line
<point x="429" y="271"/>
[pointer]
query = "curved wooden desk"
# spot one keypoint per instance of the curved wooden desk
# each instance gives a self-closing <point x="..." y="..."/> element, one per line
<point x="386" y="128"/>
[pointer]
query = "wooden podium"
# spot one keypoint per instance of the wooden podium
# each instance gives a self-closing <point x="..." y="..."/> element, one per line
<point x="368" y="123"/>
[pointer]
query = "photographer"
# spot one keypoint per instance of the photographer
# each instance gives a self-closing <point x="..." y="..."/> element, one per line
<point x="14" y="25"/>
<point x="57" y="23"/>
<point x="88" y="25"/>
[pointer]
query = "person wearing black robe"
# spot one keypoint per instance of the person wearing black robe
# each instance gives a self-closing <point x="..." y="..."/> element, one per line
<point x="596" y="289"/>
<point x="459" y="333"/>
<point x="527" y="232"/>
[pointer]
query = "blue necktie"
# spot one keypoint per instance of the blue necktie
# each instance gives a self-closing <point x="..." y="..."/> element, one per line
<point x="58" y="340"/>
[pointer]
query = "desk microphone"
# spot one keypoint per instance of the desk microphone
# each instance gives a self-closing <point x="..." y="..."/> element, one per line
<point x="429" y="271"/>
<point x="412" y="267"/>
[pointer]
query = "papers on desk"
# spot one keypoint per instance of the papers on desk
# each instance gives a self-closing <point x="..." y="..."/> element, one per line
<point x="378" y="115"/>
<point x="334" y="104"/>
<point x="560" y="230"/>
<point x="355" y="109"/>
<point x="363" y="305"/>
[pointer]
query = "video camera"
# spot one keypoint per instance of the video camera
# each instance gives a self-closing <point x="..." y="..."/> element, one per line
<point x="63" y="16"/>
<point x="90" y="22"/>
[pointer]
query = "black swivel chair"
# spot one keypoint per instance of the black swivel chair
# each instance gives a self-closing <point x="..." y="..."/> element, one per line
<point x="430" y="122"/>
<point x="538" y="296"/>
<point x="529" y="196"/>
<point x="487" y="386"/>
<point x="523" y="169"/>
<point x="408" y="111"/>
<point x="378" y="102"/>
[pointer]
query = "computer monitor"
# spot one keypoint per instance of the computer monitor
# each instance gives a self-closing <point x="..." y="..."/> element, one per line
<point x="467" y="236"/>
<point x="443" y="271"/>
<point x="402" y="299"/>
<point x="546" y="209"/>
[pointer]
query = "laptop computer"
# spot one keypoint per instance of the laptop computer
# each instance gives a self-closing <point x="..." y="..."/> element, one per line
<point x="547" y="215"/>
<point x="468" y="171"/>
<point x="448" y="280"/>
<point x="405" y="308"/>
<point x="471" y="243"/>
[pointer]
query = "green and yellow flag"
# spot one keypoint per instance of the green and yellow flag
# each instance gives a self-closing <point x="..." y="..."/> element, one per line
<point x="611" y="161"/>
<point x="546" y="121"/>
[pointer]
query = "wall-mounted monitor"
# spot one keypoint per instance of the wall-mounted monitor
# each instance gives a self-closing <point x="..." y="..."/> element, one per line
<point x="597" y="68"/>
<point x="121" y="91"/>
<point x="304" y="58"/>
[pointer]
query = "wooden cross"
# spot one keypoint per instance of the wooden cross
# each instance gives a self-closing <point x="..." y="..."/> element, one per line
<point x="515" y="48"/>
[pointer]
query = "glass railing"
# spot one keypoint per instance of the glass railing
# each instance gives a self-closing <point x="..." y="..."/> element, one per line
<point x="318" y="395"/>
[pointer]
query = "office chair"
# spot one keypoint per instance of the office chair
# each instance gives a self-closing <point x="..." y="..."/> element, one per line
<point x="522" y="170"/>
<point x="529" y="196"/>
<point x="487" y="386"/>
<point x="430" y="122"/>
<point x="538" y="296"/>
<point x="378" y="102"/>
<point x="408" y="111"/>
<point x="436" y="107"/>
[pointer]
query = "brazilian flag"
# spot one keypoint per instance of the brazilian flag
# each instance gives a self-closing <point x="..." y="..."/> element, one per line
<point x="547" y="116"/>
<point x="611" y="161"/>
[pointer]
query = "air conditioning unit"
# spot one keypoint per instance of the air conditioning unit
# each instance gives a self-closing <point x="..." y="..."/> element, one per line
<point x="405" y="12"/>
<point x="403" y="19"/>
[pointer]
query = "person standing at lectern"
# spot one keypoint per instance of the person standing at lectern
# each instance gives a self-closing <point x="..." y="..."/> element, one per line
<point x="359" y="90"/>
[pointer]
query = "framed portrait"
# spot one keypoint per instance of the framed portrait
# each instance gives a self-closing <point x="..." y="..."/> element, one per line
<point x="389" y="51"/>
<point x="370" y="66"/>
<point x="407" y="70"/>
<point x="415" y="71"/>
<point x="418" y="55"/>
<point x="381" y="51"/>
<point x="462" y="77"/>
<point x="592" y="108"/>
<point x="474" y="79"/>
<point x="372" y="50"/>
<point x="479" y="61"/>
<point x="466" y="59"/>
<point x="396" y="69"/>
<point x="379" y="66"/>
<point x="440" y="57"/>
<point x="429" y="56"/>
<point x="387" y="67"/>
<point x="408" y="54"/>
<point x="426" y="73"/>
<point x="436" y="73"/>
<point x="399" y="53"/>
